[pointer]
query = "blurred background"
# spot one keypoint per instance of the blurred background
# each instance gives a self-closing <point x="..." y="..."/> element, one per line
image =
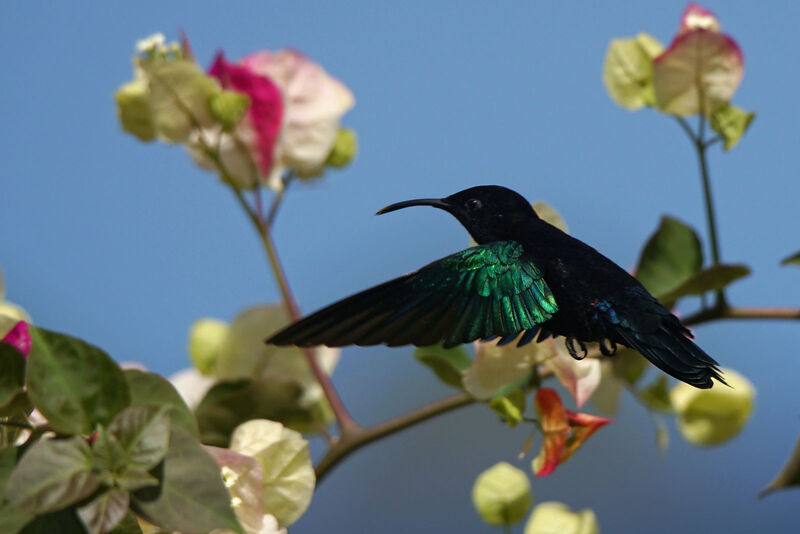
<point x="126" y="244"/>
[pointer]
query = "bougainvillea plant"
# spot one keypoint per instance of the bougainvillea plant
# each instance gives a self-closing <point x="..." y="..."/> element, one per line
<point x="87" y="446"/>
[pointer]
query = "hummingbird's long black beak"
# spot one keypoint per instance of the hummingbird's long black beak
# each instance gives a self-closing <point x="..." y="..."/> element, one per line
<point x="435" y="202"/>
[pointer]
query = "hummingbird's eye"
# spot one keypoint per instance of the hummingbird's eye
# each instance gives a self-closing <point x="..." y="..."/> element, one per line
<point x="474" y="204"/>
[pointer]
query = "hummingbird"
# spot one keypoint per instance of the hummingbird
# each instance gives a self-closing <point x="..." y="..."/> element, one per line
<point x="525" y="280"/>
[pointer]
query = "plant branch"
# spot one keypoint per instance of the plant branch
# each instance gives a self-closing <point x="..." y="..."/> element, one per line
<point x="741" y="312"/>
<point x="349" y="443"/>
<point x="701" y="147"/>
<point x="276" y="202"/>
<point x="343" y="418"/>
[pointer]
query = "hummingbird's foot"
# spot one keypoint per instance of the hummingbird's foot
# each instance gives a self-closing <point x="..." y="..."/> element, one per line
<point x="570" y="344"/>
<point x="610" y="350"/>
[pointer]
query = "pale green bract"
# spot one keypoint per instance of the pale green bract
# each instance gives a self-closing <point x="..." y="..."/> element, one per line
<point x="502" y="494"/>
<point x="628" y="71"/>
<point x="712" y="416"/>
<point x="731" y="122"/>
<point x="557" y="518"/>
<point x="286" y="469"/>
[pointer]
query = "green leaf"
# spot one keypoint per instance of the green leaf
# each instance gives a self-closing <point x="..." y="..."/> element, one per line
<point x="671" y="255"/>
<point x="52" y="474"/>
<point x="788" y="476"/>
<point x="448" y="364"/>
<point x="509" y="407"/>
<point x="628" y="365"/>
<point x="228" y="404"/>
<point x="63" y="522"/>
<point x="656" y="395"/>
<point x="628" y="71"/>
<point x="548" y="213"/>
<point x="12" y="372"/>
<point x="794" y="259"/>
<point x="191" y="497"/>
<point x="179" y="96"/>
<point x="713" y="278"/>
<point x="605" y="398"/>
<point x="731" y="122"/>
<point x="149" y="389"/>
<point x="105" y="511"/>
<point x="134" y="479"/>
<point x="128" y="525"/>
<point x="13" y="520"/>
<point x="108" y="452"/>
<point x="75" y="385"/>
<point x="143" y="433"/>
<point x="8" y="459"/>
<point x="18" y="408"/>
<point x="228" y="107"/>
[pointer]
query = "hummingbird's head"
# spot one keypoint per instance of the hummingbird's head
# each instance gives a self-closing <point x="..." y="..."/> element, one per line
<point x="488" y="212"/>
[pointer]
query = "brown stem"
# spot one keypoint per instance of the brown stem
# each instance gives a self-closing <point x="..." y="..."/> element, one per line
<point x="343" y="418"/>
<point x="741" y="312"/>
<point x="356" y="439"/>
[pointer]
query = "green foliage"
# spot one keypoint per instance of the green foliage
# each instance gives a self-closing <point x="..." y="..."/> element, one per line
<point x="143" y="434"/>
<point x="714" y="278"/>
<point x="510" y="407"/>
<point x="12" y="373"/>
<point x="128" y="525"/>
<point x="656" y="395"/>
<point x="670" y="257"/>
<point x="151" y="390"/>
<point x="731" y="122"/>
<point x="628" y="365"/>
<point x="448" y="364"/>
<point x="191" y="496"/>
<point x="789" y="476"/>
<point x="794" y="259"/>
<point x="64" y="521"/>
<point x="228" y="404"/>
<point x="105" y="511"/>
<point x="52" y="474"/>
<point x="75" y="385"/>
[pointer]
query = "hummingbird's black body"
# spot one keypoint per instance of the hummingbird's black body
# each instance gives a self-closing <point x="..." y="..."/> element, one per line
<point x="526" y="279"/>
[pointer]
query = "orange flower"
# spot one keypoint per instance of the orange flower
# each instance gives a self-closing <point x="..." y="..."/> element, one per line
<point x="563" y="431"/>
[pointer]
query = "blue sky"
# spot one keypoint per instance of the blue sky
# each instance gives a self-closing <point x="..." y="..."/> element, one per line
<point x="126" y="244"/>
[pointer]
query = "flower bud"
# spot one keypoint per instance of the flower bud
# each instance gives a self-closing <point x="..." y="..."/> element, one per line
<point x="133" y="109"/>
<point x="557" y="518"/>
<point x="206" y="338"/>
<point x="712" y="416"/>
<point x="228" y="107"/>
<point x="502" y="494"/>
<point x="344" y="149"/>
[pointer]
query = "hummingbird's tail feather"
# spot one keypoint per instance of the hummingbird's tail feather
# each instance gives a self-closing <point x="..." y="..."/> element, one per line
<point x="675" y="354"/>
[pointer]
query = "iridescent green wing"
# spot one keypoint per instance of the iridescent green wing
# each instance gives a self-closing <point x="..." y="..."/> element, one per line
<point x="478" y="293"/>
